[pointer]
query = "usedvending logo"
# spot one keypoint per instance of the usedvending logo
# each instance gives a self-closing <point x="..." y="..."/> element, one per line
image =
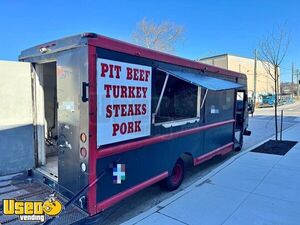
<point x="119" y="173"/>
<point x="32" y="210"/>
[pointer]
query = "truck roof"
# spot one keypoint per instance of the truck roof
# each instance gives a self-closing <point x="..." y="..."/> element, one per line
<point x="124" y="47"/>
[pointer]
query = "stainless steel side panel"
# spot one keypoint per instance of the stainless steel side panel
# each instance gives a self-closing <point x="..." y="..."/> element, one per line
<point x="72" y="70"/>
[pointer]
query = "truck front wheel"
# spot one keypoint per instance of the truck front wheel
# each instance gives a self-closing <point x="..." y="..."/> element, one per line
<point x="173" y="181"/>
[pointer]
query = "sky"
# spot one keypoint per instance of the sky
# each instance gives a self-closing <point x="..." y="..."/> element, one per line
<point x="211" y="27"/>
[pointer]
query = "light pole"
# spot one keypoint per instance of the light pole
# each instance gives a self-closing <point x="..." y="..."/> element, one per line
<point x="292" y="84"/>
<point x="297" y="74"/>
<point x="255" y="77"/>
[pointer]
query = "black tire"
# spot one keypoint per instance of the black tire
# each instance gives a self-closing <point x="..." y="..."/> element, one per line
<point x="174" y="180"/>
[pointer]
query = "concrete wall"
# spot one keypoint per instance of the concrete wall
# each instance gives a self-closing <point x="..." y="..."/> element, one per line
<point x="16" y="118"/>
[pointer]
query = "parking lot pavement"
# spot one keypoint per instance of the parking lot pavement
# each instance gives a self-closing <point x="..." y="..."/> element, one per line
<point x="249" y="188"/>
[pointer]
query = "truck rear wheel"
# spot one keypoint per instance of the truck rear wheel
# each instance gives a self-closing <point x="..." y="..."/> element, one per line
<point x="173" y="181"/>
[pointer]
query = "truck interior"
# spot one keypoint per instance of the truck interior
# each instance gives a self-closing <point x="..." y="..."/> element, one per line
<point x="178" y="102"/>
<point x="174" y="100"/>
<point x="47" y="155"/>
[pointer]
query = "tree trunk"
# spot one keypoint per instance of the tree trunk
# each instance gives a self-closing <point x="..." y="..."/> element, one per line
<point x="276" y="103"/>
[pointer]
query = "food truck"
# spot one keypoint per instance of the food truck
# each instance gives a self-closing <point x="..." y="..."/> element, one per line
<point x="111" y="118"/>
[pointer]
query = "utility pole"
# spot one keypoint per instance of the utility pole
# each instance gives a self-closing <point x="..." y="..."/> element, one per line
<point x="297" y="84"/>
<point x="292" y="85"/>
<point x="255" y="76"/>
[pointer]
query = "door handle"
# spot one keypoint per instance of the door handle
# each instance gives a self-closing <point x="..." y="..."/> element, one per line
<point x="84" y="97"/>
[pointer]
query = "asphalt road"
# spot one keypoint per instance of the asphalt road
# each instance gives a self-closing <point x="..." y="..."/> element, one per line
<point x="262" y="127"/>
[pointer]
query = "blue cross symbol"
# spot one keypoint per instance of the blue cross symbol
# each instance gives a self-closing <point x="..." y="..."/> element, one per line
<point x="119" y="173"/>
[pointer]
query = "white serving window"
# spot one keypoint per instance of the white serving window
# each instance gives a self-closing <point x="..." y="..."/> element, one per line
<point x="175" y="101"/>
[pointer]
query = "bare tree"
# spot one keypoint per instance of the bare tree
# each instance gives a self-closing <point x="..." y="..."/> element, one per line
<point x="272" y="51"/>
<point x="162" y="37"/>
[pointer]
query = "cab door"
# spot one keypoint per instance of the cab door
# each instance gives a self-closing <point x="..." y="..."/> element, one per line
<point x="240" y="118"/>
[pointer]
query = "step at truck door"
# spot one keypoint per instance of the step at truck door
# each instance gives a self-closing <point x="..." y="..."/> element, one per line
<point x="16" y="117"/>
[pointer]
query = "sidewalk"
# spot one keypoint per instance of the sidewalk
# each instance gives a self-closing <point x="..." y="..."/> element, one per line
<point x="251" y="188"/>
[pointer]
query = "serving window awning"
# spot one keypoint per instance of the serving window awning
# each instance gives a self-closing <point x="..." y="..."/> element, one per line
<point x="210" y="83"/>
